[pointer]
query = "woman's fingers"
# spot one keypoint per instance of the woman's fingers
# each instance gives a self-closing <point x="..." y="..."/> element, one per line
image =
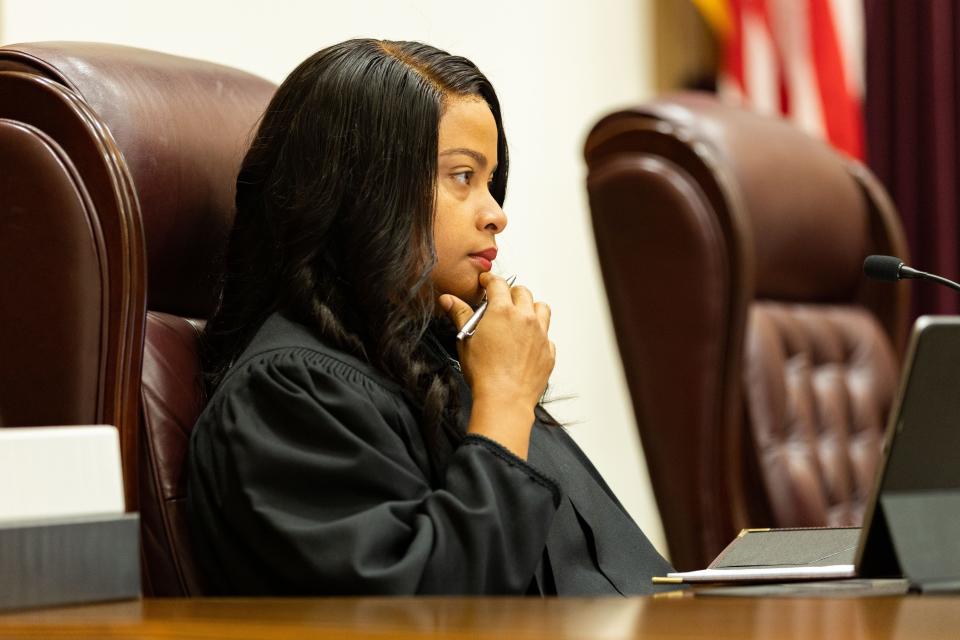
<point x="498" y="291"/>
<point x="500" y="294"/>
<point x="522" y="297"/>
<point x="457" y="310"/>
<point x="543" y="315"/>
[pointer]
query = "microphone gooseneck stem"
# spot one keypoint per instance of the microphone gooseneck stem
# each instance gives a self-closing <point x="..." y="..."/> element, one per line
<point x="950" y="283"/>
<point x="908" y="272"/>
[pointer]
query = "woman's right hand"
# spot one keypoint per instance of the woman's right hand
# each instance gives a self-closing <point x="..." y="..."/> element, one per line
<point x="507" y="362"/>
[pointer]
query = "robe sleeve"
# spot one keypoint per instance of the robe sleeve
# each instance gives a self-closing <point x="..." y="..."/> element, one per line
<point x="303" y="470"/>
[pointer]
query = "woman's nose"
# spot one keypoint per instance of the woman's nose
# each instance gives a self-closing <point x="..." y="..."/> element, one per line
<point x="492" y="218"/>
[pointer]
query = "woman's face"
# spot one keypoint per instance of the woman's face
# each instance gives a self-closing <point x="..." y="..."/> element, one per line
<point x="467" y="217"/>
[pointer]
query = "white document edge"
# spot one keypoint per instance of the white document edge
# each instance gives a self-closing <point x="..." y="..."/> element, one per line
<point x="766" y="573"/>
<point x="58" y="472"/>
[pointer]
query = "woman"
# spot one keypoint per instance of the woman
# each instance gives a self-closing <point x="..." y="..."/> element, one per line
<point x="351" y="445"/>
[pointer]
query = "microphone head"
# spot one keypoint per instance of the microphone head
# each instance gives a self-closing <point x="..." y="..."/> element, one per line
<point x="882" y="267"/>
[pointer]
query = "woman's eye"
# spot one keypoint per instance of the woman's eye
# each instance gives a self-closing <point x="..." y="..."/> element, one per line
<point x="463" y="177"/>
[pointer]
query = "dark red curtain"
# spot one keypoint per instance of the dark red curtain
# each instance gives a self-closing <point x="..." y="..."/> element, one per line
<point x="912" y="110"/>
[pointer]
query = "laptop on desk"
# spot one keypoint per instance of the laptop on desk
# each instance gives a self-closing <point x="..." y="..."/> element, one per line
<point x="912" y="523"/>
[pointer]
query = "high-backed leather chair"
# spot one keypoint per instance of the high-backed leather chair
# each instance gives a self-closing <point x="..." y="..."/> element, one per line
<point x="117" y="174"/>
<point x="761" y="365"/>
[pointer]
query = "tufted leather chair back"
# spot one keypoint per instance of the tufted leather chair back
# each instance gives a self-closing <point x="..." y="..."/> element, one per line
<point x="117" y="169"/>
<point x="760" y="363"/>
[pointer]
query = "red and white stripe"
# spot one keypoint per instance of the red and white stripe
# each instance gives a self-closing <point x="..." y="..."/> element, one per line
<point x="802" y="59"/>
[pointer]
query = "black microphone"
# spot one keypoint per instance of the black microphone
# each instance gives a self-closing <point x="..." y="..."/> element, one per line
<point x="891" y="269"/>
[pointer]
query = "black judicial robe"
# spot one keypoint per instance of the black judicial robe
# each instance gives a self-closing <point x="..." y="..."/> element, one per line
<point x="308" y="475"/>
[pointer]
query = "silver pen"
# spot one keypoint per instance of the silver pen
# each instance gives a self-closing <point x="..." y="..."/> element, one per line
<point x="470" y="326"/>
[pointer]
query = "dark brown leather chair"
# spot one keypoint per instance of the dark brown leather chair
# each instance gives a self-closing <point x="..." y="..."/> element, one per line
<point x="761" y="365"/>
<point x="117" y="173"/>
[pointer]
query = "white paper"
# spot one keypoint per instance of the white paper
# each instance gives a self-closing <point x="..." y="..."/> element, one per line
<point x="769" y="574"/>
<point x="55" y="472"/>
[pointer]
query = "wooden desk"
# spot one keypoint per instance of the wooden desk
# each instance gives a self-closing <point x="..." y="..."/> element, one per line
<point x="513" y="618"/>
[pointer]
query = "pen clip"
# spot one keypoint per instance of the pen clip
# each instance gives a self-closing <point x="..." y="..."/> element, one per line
<point x="467" y="334"/>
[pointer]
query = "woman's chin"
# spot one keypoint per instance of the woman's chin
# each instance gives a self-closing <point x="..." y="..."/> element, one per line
<point x="467" y="289"/>
<point x="473" y="298"/>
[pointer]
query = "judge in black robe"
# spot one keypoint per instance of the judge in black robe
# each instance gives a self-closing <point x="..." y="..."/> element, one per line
<point x="308" y="474"/>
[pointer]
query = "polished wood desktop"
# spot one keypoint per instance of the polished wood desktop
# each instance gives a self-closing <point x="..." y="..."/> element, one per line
<point x="676" y="616"/>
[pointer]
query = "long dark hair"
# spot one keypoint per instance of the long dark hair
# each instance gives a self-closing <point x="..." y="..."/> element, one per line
<point x="335" y="206"/>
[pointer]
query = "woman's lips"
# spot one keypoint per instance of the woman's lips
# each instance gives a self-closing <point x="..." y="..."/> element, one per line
<point x="485" y="264"/>
<point x="485" y="258"/>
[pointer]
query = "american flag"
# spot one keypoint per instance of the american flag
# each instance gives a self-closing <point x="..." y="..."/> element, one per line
<point x="803" y="59"/>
